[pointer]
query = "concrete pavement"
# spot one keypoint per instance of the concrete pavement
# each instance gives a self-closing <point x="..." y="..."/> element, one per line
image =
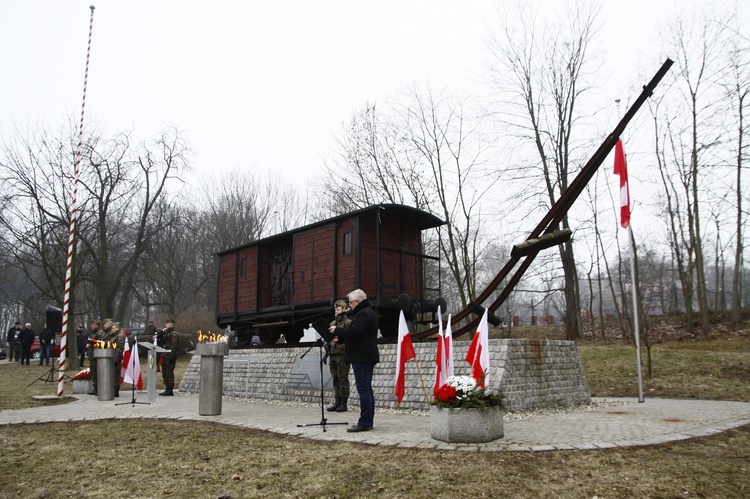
<point x="607" y="423"/>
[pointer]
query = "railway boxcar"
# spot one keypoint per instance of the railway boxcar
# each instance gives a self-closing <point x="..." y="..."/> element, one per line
<point x="280" y="284"/>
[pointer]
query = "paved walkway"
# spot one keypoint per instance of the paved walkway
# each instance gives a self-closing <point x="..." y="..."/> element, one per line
<point x="621" y="423"/>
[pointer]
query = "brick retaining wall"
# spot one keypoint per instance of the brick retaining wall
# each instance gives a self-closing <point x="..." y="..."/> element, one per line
<point x="531" y="374"/>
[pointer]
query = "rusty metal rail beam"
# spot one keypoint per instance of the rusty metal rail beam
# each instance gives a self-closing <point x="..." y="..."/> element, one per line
<point x="551" y="220"/>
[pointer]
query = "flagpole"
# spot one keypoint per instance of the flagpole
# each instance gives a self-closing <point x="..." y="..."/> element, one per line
<point x="424" y="387"/>
<point x="636" y="329"/>
<point x="631" y="256"/>
<point x="72" y="230"/>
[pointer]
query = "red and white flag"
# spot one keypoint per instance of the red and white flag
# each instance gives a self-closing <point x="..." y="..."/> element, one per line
<point x="621" y="169"/>
<point x="133" y="369"/>
<point x="404" y="353"/>
<point x="125" y="360"/>
<point x="479" y="354"/>
<point x="444" y="354"/>
<point x="440" y="367"/>
<point x="448" y="349"/>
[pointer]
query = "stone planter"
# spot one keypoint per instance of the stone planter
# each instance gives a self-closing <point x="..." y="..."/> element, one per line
<point x="466" y="425"/>
<point x="82" y="386"/>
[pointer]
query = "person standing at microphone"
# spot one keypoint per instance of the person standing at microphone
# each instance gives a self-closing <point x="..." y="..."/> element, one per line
<point x="361" y="338"/>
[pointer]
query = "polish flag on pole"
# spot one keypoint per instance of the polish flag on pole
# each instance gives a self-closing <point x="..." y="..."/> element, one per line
<point x="621" y="169"/>
<point x="440" y="356"/>
<point x="448" y="349"/>
<point x="125" y="360"/>
<point x="404" y="353"/>
<point x="479" y="354"/>
<point x="133" y="369"/>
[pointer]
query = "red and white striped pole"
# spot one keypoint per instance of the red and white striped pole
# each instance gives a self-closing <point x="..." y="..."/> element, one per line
<point x="71" y="234"/>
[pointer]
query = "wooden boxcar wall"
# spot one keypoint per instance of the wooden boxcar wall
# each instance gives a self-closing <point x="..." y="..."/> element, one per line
<point x="324" y="268"/>
<point x="314" y="259"/>
<point x="233" y="286"/>
<point x="346" y="263"/>
<point x="400" y="267"/>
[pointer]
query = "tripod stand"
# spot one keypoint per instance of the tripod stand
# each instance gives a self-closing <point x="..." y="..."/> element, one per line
<point x="133" y="358"/>
<point x="48" y="377"/>
<point x="323" y="420"/>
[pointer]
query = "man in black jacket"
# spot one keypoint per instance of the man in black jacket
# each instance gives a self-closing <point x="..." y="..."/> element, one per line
<point x="46" y="339"/>
<point x="13" y="343"/>
<point x="26" y="336"/>
<point x="361" y="338"/>
<point x="81" y="341"/>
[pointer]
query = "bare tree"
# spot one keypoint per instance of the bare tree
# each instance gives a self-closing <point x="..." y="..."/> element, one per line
<point x="371" y="166"/>
<point x="543" y="70"/>
<point x="689" y="125"/>
<point x="737" y="89"/>
<point x="427" y="152"/>
<point x="239" y="207"/>
<point x="118" y="192"/>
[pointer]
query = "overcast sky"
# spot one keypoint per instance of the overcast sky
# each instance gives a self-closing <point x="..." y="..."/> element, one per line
<point x="260" y="84"/>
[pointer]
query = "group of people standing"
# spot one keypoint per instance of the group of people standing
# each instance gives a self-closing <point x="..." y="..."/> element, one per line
<point x="355" y="344"/>
<point x="110" y="333"/>
<point x="19" y="341"/>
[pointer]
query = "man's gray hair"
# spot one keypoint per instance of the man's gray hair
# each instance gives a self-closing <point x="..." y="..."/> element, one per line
<point x="358" y="295"/>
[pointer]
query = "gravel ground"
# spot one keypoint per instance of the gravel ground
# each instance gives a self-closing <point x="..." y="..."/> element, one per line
<point x="509" y="416"/>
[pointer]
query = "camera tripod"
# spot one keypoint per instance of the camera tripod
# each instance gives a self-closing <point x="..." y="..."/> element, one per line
<point x="323" y="420"/>
<point x="48" y="377"/>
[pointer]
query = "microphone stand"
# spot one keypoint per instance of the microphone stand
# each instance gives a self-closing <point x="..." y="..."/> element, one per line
<point x="323" y="420"/>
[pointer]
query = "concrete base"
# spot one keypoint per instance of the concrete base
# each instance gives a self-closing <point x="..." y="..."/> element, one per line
<point x="82" y="386"/>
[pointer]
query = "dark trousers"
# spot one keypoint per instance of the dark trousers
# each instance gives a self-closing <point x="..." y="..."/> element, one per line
<point x="14" y="352"/>
<point x="25" y="354"/>
<point x="363" y="380"/>
<point x="81" y="356"/>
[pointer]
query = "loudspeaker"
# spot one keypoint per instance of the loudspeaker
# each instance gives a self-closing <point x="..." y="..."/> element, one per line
<point x="54" y="319"/>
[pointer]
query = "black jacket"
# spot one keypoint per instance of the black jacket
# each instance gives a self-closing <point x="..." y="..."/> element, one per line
<point x="26" y="337"/>
<point x="81" y="340"/>
<point x="361" y="336"/>
<point x="46" y="337"/>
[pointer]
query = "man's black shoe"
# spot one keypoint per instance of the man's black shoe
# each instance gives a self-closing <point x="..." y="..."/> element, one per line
<point x="357" y="428"/>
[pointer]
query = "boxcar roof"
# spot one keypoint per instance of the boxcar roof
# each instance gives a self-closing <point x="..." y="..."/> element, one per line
<point x="422" y="219"/>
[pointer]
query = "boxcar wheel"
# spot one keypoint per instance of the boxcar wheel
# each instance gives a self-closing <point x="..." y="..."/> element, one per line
<point x="293" y="335"/>
<point x="244" y="335"/>
<point x="388" y="323"/>
<point x="268" y="336"/>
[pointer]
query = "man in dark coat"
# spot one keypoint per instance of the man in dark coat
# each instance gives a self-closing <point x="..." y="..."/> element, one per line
<point x="169" y="359"/>
<point x="46" y="339"/>
<point x="361" y="338"/>
<point x="81" y="340"/>
<point x="26" y="338"/>
<point x="13" y="342"/>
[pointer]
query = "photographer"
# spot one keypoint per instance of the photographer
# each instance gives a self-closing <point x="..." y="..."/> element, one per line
<point x="339" y="367"/>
